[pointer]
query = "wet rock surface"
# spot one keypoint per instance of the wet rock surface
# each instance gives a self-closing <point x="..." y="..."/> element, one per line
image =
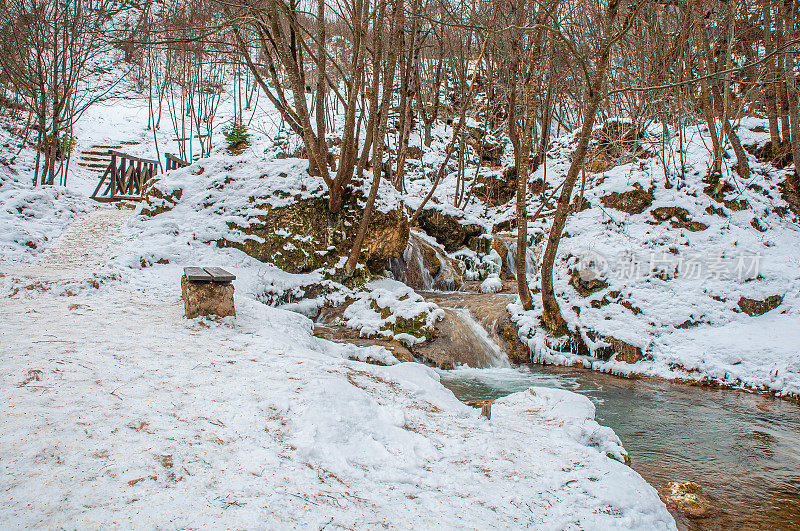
<point x="451" y="231"/>
<point x="687" y="498"/>
<point x="424" y="266"/>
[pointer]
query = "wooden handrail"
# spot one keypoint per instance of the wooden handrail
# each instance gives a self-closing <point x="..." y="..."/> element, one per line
<point x="131" y="158"/>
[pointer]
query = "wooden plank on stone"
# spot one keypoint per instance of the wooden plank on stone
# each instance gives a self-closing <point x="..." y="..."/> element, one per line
<point x="220" y="275"/>
<point x="197" y="274"/>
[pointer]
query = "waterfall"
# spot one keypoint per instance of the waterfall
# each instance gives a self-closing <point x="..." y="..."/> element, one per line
<point x="491" y="355"/>
<point x="531" y="259"/>
<point x="413" y="269"/>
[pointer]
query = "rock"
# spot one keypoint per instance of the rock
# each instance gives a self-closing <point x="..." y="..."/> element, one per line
<point x="631" y="202"/>
<point x="678" y="217"/>
<point x="414" y="152"/>
<point x="487" y="147"/>
<point x="753" y="307"/>
<point x="616" y="137"/>
<point x="687" y="498"/>
<point x="207" y="298"/>
<point x="598" y="162"/>
<point x="157" y="202"/>
<point x="496" y="190"/>
<point x="585" y="282"/>
<point x="505" y="226"/>
<point x="303" y="236"/>
<point x="447" y="229"/>
<point x="623" y="351"/>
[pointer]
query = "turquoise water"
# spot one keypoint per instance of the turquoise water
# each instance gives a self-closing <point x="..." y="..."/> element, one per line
<point x="743" y="449"/>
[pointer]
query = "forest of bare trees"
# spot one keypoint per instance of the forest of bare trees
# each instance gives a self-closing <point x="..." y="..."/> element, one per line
<point x="526" y="70"/>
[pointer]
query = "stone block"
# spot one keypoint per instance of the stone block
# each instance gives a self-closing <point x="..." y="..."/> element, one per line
<point x="207" y="298"/>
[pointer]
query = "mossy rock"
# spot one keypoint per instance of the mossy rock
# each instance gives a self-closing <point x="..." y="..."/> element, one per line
<point x="586" y="284"/>
<point x="448" y="229"/>
<point x="157" y="202"/>
<point x="304" y="236"/>
<point x="753" y="307"/>
<point x="678" y="217"/>
<point x="416" y="326"/>
<point x="633" y="201"/>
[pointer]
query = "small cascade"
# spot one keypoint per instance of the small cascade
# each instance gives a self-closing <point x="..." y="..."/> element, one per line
<point x="531" y="259"/>
<point x="490" y="353"/>
<point x="461" y="340"/>
<point x="424" y="266"/>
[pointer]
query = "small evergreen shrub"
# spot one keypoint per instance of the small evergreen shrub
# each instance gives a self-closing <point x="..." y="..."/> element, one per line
<point x="235" y="134"/>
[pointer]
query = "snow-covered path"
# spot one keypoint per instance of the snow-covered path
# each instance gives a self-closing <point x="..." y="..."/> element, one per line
<point x="83" y="251"/>
<point x="118" y="412"/>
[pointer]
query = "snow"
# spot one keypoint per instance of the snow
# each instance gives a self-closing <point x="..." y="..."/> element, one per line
<point x="118" y="412"/>
<point x="396" y="301"/>
<point x="492" y="284"/>
<point x="689" y="324"/>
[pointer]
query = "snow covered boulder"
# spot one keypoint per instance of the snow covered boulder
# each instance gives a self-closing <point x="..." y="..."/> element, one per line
<point x="492" y="284"/>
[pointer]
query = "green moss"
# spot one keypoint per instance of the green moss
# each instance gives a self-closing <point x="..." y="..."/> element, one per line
<point x="753" y="307"/>
<point x="303" y="236"/>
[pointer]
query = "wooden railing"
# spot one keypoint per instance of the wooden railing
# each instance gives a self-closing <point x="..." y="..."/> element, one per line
<point x="127" y="176"/>
<point x="173" y="162"/>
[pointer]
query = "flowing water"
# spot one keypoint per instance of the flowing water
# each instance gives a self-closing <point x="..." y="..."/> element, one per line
<point x="743" y="449"/>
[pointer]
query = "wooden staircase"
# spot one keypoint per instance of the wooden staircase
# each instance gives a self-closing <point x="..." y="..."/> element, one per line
<point x="97" y="158"/>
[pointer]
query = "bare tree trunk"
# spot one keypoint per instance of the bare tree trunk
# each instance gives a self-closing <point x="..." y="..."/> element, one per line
<point x="780" y="41"/>
<point x="551" y="317"/>
<point x="770" y="96"/>
<point x="375" y="128"/>
<point x="791" y="85"/>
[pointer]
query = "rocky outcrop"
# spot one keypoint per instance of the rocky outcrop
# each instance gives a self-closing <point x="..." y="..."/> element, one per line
<point x="622" y="350"/>
<point x="451" y="231"/>
<point x="496" y="190"/>
<point x="678" y="218"/>
<point x="586" y="282"/>
<point x="487" y="147"/>
<point x="633" y="201"/>
<point x="754" y="307"/>
<point x="303" y="236"/>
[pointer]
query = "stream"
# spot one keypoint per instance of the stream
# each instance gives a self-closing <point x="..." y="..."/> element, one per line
<point x="743" y="449"/>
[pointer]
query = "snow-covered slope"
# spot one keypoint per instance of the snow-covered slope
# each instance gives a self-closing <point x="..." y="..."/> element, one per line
<point x="120" y="412"/>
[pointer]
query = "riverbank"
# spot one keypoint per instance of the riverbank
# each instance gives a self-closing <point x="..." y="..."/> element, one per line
<point x="742" y="449"/>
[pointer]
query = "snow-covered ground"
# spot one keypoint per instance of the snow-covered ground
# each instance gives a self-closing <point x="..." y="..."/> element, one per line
<point x="118" y="412"/>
